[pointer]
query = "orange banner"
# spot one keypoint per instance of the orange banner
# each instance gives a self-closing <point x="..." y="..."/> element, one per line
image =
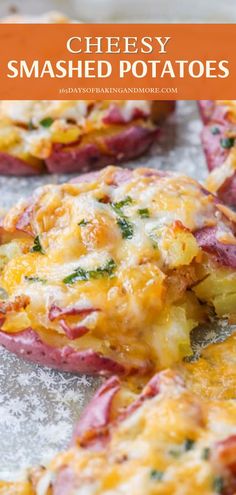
<point x="117" y="61"/>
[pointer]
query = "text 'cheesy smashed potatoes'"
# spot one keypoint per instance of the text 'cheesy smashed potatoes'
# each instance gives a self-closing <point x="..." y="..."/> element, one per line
<point x="110" y="273"/>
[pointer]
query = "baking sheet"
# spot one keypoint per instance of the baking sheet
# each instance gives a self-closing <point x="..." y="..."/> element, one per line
<point x="38" y="406"/>
<point x="129" y="10"/>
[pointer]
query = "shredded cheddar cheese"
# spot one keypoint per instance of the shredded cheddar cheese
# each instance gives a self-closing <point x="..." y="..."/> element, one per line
<point x="172" y="443"/>
<point x="127" y="285"/>
<point x="30" y="129"/>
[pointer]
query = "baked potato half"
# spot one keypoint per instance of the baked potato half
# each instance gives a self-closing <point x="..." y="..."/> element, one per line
<point x="111" y="272"/>
<point x="164" y="441"/>
<point x="218" y="138"/>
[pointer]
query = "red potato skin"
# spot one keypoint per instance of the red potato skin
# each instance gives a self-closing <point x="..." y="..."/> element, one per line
<point x="57" y="313"/>
<point x="227" y="192"/>
<point x="224" y="458"/>
<point x="126" y="145"/>
<point x="212" y="113"/>
<point x="215" y="154"/>
<point x="216" y="116"/>
<point x="95" y="424"/>
<point x="225" y="452"/>
<point x="225" y="254"/>
<point x="117" y="148"/>
<point x="65" y="482"/>
<point x="92" y="430"/>
<point x="27" y="345"/>
<point x="11" y="165"/>
<point x="97" y="415"/>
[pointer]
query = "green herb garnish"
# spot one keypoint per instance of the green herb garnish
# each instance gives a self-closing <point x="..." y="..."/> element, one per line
<point x="36" y="279"/>
<point x="37" y="247"/>
<point x="80" y="274"/>
<point x="83" y="222"/>
<point x="218" y="484"/>
<point x="206" y="453"/>
<point x="120" y="204"/>
<point x="144" y="212"/>
<point x="227" y="142"/>
<point x="47" y="122"/>
<point x="126" y="228"/>
<point x="215" y="130"/>
<point x="188" y="444"/>
<point x="156" y="475"/>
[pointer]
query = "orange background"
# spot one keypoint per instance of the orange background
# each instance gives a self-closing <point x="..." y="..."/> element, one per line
<point x="188" y="42"/>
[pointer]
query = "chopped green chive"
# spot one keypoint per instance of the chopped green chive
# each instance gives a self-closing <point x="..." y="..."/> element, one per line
<point x="37" y="247"/>
<point x="83" y="222"/>
<point x="218" y="484"/>
<point x="188" y="444"/>
<point x="206" y="453"/>
<point x="156" y="475"/>
<point x="47" y="122"/>
<point x="117" y="207"/>
<point x="227" y="142"/>
<point x="124" y="202"/>
<point x="36" y="279"/>
<point x="80" y="274"/>
<point x="144" y="212"/>
<point x="126" y="228"/>
<point x="215" y="130"/>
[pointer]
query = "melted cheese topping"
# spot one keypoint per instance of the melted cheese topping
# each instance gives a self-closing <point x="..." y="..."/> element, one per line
<point x="214" y="374"/>
<point x="21" y="488"/>
<point x="165" y="447"/>
<point x="220" y="174"/>
<point x="29" y="129"/>
<point x="124" y="255"/>
<point x="230" y="105"/>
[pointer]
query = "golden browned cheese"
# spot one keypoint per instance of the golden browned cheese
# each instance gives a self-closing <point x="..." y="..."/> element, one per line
<point x="230" y="106"/>
<point x="213" y="376"/>
<point x="125" y="255"/>
<point x="170" y="442"/>
<point x="21" y="488"/>
<point x="219" y="175"/>
<point x="30" y="129"/>
<point x="167" y="446"/>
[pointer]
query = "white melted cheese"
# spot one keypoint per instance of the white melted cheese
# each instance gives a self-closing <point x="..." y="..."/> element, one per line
<point x="220" y="174"/>
<point x="96" y="229"/>
<point x="35" y="111"/>
<point x="45" y="482"/>
<point x="142" y="445"/>
<point x="25" y="132"/>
